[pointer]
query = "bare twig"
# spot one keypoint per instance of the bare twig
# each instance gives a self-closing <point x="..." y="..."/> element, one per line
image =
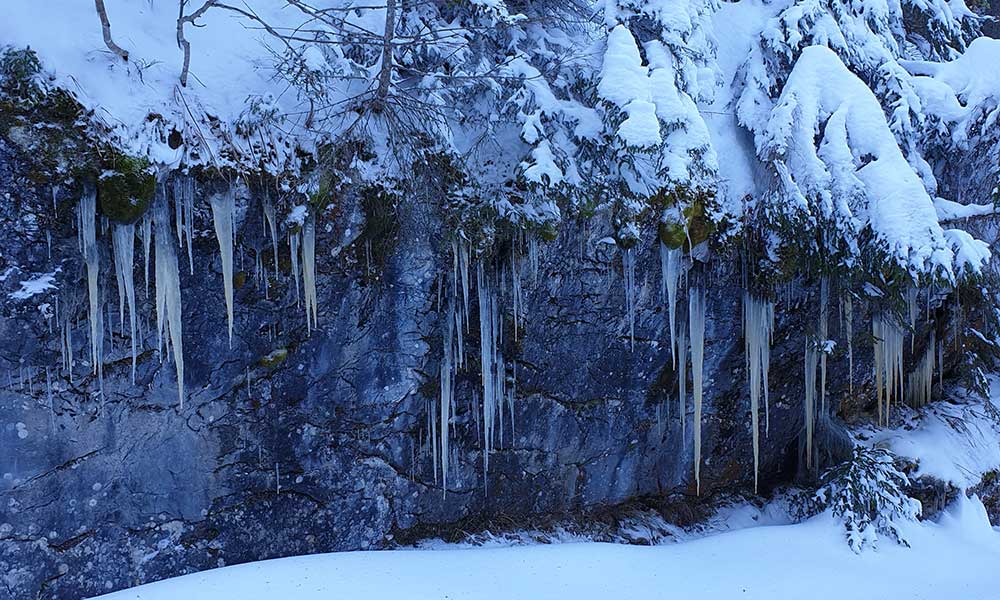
<point x="182" y="42"/>
<point x="106" y="30"/>
<point x="385" y="72"/>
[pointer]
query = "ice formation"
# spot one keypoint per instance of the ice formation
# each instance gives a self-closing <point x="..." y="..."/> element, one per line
<point x="670" y="261"/>
<point x="222" y="216"/>
<point x="123" y="238"/>
<point x="888" y="336"/>
<point x="809" y="402"/>
<point x="758" y="326"/>
<point x="309" y="273"/>
<point x="92" y="258"/>
<point x="628" y="268"/>
<point x="168" y="291"/>
<point x="919" y="383"/>
<point x="696" y="303"/>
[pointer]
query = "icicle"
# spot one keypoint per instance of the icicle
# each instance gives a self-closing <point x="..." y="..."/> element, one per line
<point x="682" y="352"/>
<point x="293" y="246"/>
<point x="515" y="277"/>
<point x="272" y="225"/>
<point x="123" y="237"/>
<point x="92" y="257"/>
<point x="696" y="303"/>
<point x="628" y="267"/>
<point x="888" y="337"/>
<point x="222" y="216"/>
<point x="309" y="273"/>
<point x="168" y="289"/>
<point x="920" y="382"/>
<point x="849" y="321"/>
<point x="492" y="366"/>
<point x="446" y="393"/>
<point x="809" y="404"/>
<point x="824" y="334"/>
<point x="758" y="324"/>
<point x="147" y="237"/>
<point x="670" y="260"/>
<point x="913" y="310"/>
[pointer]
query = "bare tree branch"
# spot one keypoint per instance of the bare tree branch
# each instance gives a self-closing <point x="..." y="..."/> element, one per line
<point x="106" y="30"/>
<point x="385" y="74"/>
<point x="182" y="42"/>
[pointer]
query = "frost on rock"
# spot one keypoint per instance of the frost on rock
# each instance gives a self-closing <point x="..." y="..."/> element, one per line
<point x="123" y="238"/>
<point x="222" y="216"/>
<point x="92" y="257"/>
<point x="168" y="290"/>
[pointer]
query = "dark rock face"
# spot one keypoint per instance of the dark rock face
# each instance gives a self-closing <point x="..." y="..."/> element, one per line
<point x="325" y="448"/>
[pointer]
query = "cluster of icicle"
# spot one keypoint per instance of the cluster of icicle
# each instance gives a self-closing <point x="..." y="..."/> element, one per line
<point x="494" y="418"/>
<point x="154" y="232"/>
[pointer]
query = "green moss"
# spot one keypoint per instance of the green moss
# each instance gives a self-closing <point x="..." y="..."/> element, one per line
<point x="125" y="188"/>
<point x="673" y="235"/>
<point x="273" y="359"/>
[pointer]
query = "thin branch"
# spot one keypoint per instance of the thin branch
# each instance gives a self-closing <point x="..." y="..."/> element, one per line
<point x="106" y="30"/>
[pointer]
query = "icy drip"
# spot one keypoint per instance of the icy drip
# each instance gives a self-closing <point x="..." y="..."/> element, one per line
<point x="670" y="261"/>
<point x="888" y="337"/>
<point x="123" y="237"/>
<point x="849" y="322"/>
<point x="92" y="258"/>
<point x="184" y="213"/>
<point x="293" y="246"/>
<point x="222" y="216"/>
<point x="682" y="352"/>
<point x="446" y="392"/>
<point x="515" y="277"/>
<point x="272" y="225"/>
<point x="913" y="311"/>
<point x="168" y="291"/>
<point x="809" y="404"/>
<point x="824" y="335"/>
<point x="758" y="325"/>
<point x="696" y="306"/>
<point x="628" y="266"/>
<point x="147" y="237"/>
<point x="309" y="274"/>
<point x="492" y="365"/>
<point x="920" y="382"/>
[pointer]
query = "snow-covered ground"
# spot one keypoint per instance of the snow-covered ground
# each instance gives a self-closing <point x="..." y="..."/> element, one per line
<point x="956" y="558"/>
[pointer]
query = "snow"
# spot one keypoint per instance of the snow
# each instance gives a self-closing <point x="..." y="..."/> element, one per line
<point x="956" y="442"/>
<point x="231" y="66"/>
<point x="955" y="558"/>
<point x="625" y="83"/>
<point x="856" y="169"/>
<point x="38" y="284"/>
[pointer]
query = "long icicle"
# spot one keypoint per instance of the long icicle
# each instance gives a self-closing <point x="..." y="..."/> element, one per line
<point x="670" y="261"/>
<point x="92" y="258"/>
<point x="123" y="237"/>
<point x="758" y="323"/>
<point x="696" y="303"/>
<point x="222" y="217"/>
<point x="309" y="273"/>
<point x="168" y="288"/>
<point x="446" y="391"/>
<point x="809" y="404"/>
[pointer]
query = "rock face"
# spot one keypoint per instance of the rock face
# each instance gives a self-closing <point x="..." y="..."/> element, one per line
<point x="292" y="443"/>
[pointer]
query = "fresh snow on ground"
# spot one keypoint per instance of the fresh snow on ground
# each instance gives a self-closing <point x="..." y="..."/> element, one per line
<point x="956" y="441"/>
<point x="956" y="558"/>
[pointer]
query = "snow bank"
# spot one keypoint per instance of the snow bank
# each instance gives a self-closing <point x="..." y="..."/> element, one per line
<point x="954" y="559"/>
<point x="953" y="442"/>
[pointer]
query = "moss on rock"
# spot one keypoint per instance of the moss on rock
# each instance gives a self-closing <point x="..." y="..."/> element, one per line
<point x="125" y="188"/>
